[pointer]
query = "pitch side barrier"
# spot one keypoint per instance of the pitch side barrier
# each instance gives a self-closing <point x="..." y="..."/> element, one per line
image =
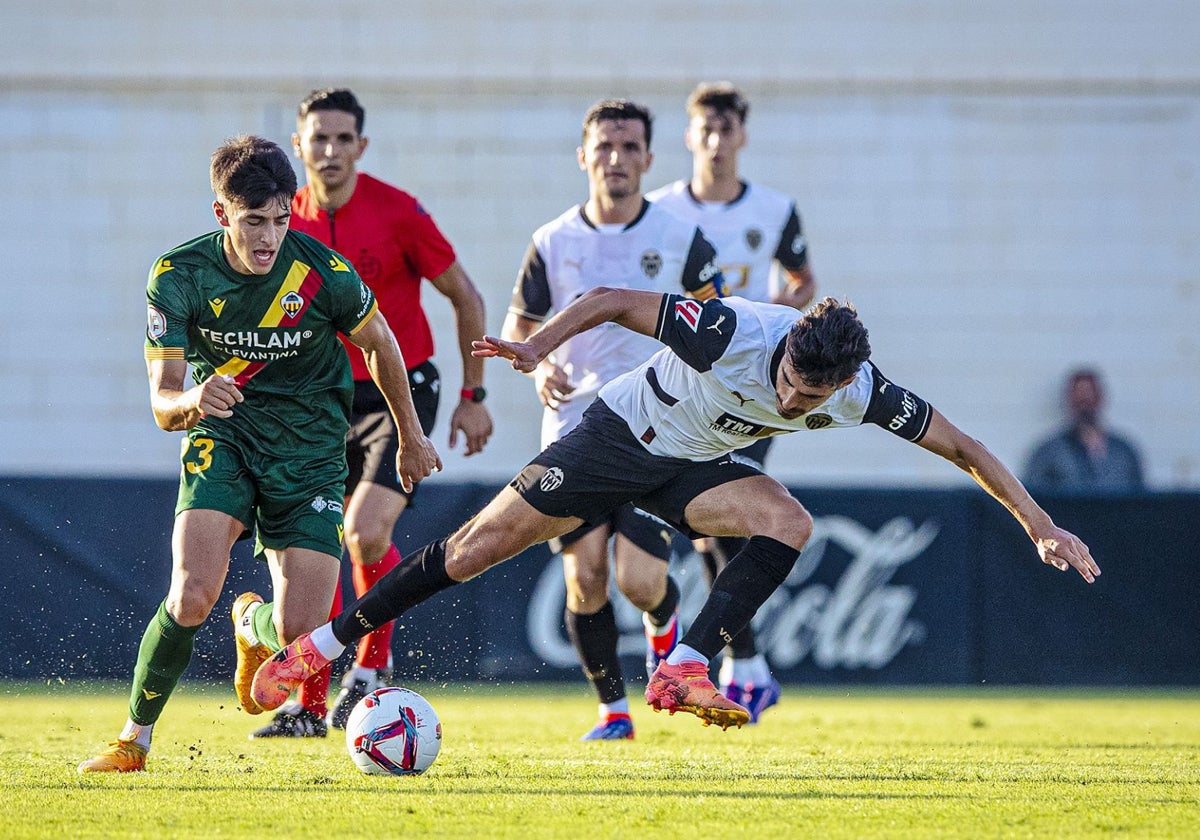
<point x="896" y="587"/>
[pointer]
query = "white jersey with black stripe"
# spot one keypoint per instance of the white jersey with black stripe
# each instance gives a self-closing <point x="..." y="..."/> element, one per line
<point x="570" y="256"/>
<point x="754" y="235"/>
<point x="712" y="389"/>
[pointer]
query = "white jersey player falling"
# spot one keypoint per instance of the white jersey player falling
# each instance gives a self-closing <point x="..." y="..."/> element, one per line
<point x="755" y="235"/>
<point x="570" y="255"/>
<point x="711" y="390"/>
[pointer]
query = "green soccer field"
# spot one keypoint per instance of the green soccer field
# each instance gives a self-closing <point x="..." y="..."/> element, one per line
<point x="836" y="763"/>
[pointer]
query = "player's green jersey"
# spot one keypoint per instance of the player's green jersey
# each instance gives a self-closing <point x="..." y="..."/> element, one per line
<point x="276" y="334"/>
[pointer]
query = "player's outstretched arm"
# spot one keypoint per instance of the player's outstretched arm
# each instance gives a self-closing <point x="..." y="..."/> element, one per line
<point x="1057" y="547"/>
<point x="634" y="310"/>
<point x="418" y="456"/>
<point x="551" y="382"/>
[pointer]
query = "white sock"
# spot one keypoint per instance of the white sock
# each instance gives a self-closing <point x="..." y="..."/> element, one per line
<point x="617" y="707"/>
<point x="246" y="625"/>
<point x="137" y="733"/>
<point x="752" y="671"/>
<point x="326" y="643"/>
<point x="363" y="674"/>
<point x="727" y="676"/>
<point x="654" y="629"/>
<point x="683" y="653"/>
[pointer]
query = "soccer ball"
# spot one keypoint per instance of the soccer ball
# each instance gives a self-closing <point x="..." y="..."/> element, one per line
<point x="393" y="731"/>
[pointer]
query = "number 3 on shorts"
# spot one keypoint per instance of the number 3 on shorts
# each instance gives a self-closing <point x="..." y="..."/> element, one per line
<point x="198" y="456"/>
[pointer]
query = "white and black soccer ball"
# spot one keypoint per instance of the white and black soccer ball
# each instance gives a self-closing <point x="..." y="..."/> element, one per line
<point x="393" y="731"/>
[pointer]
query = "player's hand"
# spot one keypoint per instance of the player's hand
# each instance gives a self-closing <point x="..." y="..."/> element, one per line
<point x="1063" y="550"/>
<point x="524" y="357"/>
<point x="474" y="421"/>
<point x="552" y="385"/>
<point x="417" y="459"/>
<point x="217" y="395"/>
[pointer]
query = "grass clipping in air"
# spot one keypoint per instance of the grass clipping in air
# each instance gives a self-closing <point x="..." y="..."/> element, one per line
<point x="829" y="764"/>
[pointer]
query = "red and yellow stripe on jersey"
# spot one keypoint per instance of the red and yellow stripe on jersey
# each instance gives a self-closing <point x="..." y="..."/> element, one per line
<point x="300" y="279"/>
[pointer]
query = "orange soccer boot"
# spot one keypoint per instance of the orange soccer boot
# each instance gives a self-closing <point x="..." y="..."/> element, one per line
<point x="249" y="656"/>
<point x="282" y="673"/>
<point x="120" y="757"/>
<point x="686" y="688"/>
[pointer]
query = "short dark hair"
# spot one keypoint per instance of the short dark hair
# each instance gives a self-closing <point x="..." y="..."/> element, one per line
<point x="1083" y="373"/>
<point x="828" y="344"/>
<point x="250" y="171"/>
<point x="722" y="97"/>
<point x="333" y="99"/>
<point x="618" y="109"/>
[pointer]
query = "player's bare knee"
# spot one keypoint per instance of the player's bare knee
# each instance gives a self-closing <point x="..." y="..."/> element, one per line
<point x="786" y="521"/>
<point x="366" y="546"/>
<point x="588" y="584"/>
<point x="191" y="603"/>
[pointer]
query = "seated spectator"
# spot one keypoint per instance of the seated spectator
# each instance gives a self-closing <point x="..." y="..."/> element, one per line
<point x="1085" y="456"/>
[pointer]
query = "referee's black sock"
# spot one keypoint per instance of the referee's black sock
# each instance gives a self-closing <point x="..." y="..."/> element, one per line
<point x="595" y="637"/>
<point x="418" y="577"/>
<point x="737" y="593"/>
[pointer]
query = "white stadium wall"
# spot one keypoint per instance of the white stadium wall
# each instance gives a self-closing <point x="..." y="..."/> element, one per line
<point x="1005" y="191"/>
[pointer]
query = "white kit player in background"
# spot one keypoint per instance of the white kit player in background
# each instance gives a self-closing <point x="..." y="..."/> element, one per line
<point x="615" y="239"/>
<point x="756" y="230"/>
<point x="764" y="257"/>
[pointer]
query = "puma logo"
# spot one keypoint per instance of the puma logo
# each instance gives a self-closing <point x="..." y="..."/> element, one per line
<point x="741" y="400"/>
<point x="717" y="325"/>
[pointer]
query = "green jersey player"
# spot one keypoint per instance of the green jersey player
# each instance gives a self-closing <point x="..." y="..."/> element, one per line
<point x="256" y="311"/>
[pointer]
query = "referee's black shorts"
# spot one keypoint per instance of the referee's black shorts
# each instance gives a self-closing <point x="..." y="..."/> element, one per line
<point x="372" y="442"/>
<point x="599" y="466"/>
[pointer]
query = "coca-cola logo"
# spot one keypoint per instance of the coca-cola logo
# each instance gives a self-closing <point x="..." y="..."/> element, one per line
<point x="861" y="620"/>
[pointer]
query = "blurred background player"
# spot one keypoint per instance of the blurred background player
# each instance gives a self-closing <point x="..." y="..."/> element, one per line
<point x="1086" y="456"/>
<point x="764" y="257"/>
<point x="393" y="242"/>
<point x="616" y="238"/>
<point x="265" y="429"/>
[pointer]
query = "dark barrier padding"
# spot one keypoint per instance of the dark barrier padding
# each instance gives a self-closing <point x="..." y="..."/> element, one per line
<point x="897" y="586"/>
<point x="1138" y="624"/>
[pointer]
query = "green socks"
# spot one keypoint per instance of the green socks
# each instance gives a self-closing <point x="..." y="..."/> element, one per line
<point x="162" y="658"/>
<point x="263" y="622"/>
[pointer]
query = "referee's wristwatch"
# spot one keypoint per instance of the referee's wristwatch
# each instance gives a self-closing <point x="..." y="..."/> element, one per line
<point x="477" y="394"/>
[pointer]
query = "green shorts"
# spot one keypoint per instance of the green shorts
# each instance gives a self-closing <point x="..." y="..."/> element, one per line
<point x="291" y="502"/>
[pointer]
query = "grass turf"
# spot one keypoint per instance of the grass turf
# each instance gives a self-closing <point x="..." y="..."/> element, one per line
<point x="845" y="763"/>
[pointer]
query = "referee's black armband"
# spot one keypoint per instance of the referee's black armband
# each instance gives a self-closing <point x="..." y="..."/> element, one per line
<point x="897" y="409"/>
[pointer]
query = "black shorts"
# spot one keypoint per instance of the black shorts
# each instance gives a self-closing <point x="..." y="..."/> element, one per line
<point x="372" y="442"/>
<point x="600" y="466"/>
<point x="646" y="531"/>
